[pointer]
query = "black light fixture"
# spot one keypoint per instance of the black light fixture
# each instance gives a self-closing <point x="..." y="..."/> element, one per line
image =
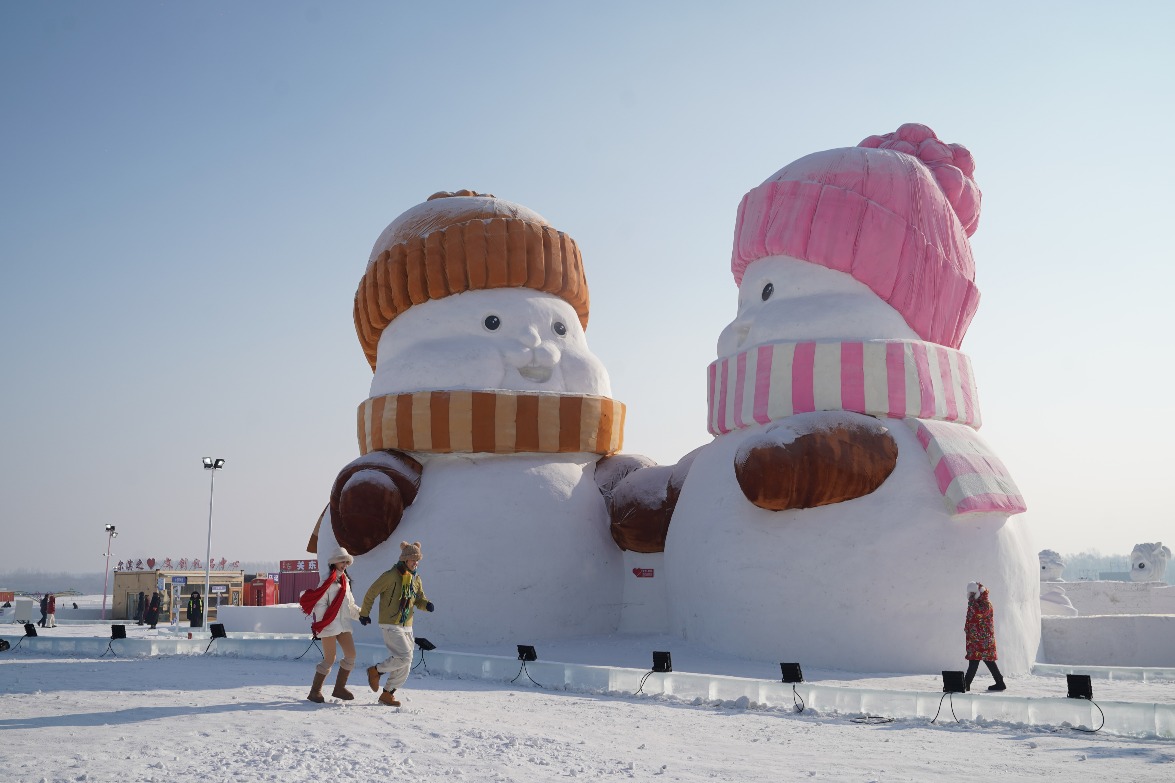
<point x="217" y="630"/>
<point x="526" y="653"/>
<point x="425" y="645"/>
<point x="29" y="630"/>
<point x="662" y="664"/>
<point x="662" y="661"/>
<point x="117" y="631"/>
<point x="792" y="673"/>
<point x="1080" y="686"/>
<point x="953" y="682"/>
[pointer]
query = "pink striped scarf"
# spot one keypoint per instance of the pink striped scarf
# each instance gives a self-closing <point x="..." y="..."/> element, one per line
<point x="929" y="386"/>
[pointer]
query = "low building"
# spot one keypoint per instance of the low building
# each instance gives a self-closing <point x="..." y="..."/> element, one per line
<point x="174" y="587"/>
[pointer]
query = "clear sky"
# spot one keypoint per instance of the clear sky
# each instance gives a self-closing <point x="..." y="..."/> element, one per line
<point x="189" y="193"/>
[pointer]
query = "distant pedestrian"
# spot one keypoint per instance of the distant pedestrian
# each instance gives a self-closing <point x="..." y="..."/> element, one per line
<point x="44" y="610"/>
<point x="151" y="616"/>
<point x="51" y="621"/>
<point x="142" y="608"/>
<point x="980" y="631"/>
<point x="195" y="610"/>
<point x="331" y="607"/>
<point x="400" y="593"/>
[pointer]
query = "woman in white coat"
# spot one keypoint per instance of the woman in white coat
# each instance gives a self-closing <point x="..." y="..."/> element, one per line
<point x="332" y="608"/>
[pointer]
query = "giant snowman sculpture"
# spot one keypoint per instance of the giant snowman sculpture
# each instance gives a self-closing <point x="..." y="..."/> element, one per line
<point x="847" y="499"/>
<point x="487" y="430"/>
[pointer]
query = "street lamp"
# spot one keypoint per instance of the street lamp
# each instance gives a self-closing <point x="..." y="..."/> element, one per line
<point x="211" y="465"/>
<point x="110" y="536"/>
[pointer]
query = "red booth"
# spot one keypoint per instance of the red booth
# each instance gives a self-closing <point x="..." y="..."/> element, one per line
<point x="261" y="592"/>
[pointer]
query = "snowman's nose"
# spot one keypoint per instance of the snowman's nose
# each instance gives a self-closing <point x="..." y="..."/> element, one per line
<point x="530" y="338"/>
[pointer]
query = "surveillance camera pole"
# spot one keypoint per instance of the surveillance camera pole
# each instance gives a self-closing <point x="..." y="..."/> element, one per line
<point x="212" y="465"/>
<point x="110" y="536"/>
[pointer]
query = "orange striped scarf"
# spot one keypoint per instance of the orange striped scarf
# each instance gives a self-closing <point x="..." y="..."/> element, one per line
<point x="494" y="422"/>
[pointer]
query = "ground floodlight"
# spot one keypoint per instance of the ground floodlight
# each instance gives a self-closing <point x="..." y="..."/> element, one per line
<point x="118" y="632"/>
<point x="30" y="629"/>
<point x="424" y="644"/>
<point x="662" y="661"/>
<point x="791" y="672"/>
<point x="527" y="653"/>
<point x="218" y="631"/>
<point x="953" y="682"/>
<point x="1080" y="686"/>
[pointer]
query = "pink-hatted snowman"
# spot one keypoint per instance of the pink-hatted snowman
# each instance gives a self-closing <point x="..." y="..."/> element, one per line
<point x="847" y="498"/>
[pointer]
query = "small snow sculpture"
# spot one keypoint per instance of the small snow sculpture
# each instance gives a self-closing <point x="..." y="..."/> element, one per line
<point x="1148" y="562"/>
<point x="1051" y="566"/>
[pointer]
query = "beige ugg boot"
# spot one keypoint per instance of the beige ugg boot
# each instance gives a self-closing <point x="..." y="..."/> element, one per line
<point x="340" y="691"/>
<point x="373" y="678"/>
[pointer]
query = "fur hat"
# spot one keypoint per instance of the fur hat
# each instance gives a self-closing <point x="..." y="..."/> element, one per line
<point x="895" y="213"/>
<point x="409" y="551"/>
<point x="458" y="242"/>
<point x="975" y="588"/>
<point x="341" y="556"/>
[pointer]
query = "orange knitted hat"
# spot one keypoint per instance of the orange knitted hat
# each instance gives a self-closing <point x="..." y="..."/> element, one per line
<point x="464" y="241"/>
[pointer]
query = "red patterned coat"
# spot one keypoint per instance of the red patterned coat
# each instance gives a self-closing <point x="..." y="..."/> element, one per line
<point x="980" y="627"/>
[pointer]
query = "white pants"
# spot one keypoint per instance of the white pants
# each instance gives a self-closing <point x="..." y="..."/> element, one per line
<point x="51" y="620"/>
<point x="399" y="640"/>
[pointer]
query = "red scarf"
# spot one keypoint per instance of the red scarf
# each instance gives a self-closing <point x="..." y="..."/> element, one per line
<point x="310" y="598"/>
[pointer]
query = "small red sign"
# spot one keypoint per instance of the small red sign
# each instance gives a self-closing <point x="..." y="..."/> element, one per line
<point x="642" y="572"/>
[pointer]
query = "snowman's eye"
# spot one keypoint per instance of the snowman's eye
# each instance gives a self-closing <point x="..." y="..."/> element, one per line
<point x="492" y="322"/>
<point x="768" y="290"/>
<point x="560" y="328"/>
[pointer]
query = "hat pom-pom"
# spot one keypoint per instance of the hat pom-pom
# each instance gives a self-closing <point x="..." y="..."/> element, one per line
<point x="952" y="165"/>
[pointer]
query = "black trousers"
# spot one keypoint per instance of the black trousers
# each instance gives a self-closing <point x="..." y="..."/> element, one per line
<point x="973" y="666"/>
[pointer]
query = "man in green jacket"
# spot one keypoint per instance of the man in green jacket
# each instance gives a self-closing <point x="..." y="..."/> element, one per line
<point x="400" y="594"/>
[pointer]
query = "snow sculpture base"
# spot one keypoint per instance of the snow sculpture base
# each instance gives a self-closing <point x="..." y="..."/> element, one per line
<point x="645" y="609"/>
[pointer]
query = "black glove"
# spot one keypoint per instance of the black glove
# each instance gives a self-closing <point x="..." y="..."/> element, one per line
<point x="364" y="620"/>
<point x="428" y="607"/>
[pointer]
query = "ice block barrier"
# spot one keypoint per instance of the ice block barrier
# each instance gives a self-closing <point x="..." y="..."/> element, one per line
<point x="1127" y="719"/>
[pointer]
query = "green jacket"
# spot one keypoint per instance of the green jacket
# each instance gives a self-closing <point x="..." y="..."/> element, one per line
<point x="389" y="587"/>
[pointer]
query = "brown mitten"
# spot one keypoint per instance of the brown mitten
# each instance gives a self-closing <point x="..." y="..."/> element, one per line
<point x="641" y="496"/>
<point x="369" y="497"/>
<point x="815" y="459"/>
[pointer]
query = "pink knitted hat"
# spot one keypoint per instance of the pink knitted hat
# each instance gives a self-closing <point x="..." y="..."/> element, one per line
<point x="894" y="212"/>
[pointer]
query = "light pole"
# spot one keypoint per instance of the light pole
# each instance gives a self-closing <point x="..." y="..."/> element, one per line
<point x="212" y="465"/>
<point x="110" y="536"/>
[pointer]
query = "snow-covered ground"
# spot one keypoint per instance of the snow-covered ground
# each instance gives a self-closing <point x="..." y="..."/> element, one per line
<point x="188" y="717"/>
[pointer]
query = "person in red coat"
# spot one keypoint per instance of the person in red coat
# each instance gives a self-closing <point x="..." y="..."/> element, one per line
<point x="51" y="621"/>
<point x="980" y="630"/>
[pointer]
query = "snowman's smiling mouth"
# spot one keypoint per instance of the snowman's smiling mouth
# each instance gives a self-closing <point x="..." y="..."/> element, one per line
<point x="536" y="373"/>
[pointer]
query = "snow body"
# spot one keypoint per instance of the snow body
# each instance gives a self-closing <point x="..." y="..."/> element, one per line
<point x="875" y="583"/>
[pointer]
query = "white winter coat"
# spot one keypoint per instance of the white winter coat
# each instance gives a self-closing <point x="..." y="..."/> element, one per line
<point x="347" y="612"/>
